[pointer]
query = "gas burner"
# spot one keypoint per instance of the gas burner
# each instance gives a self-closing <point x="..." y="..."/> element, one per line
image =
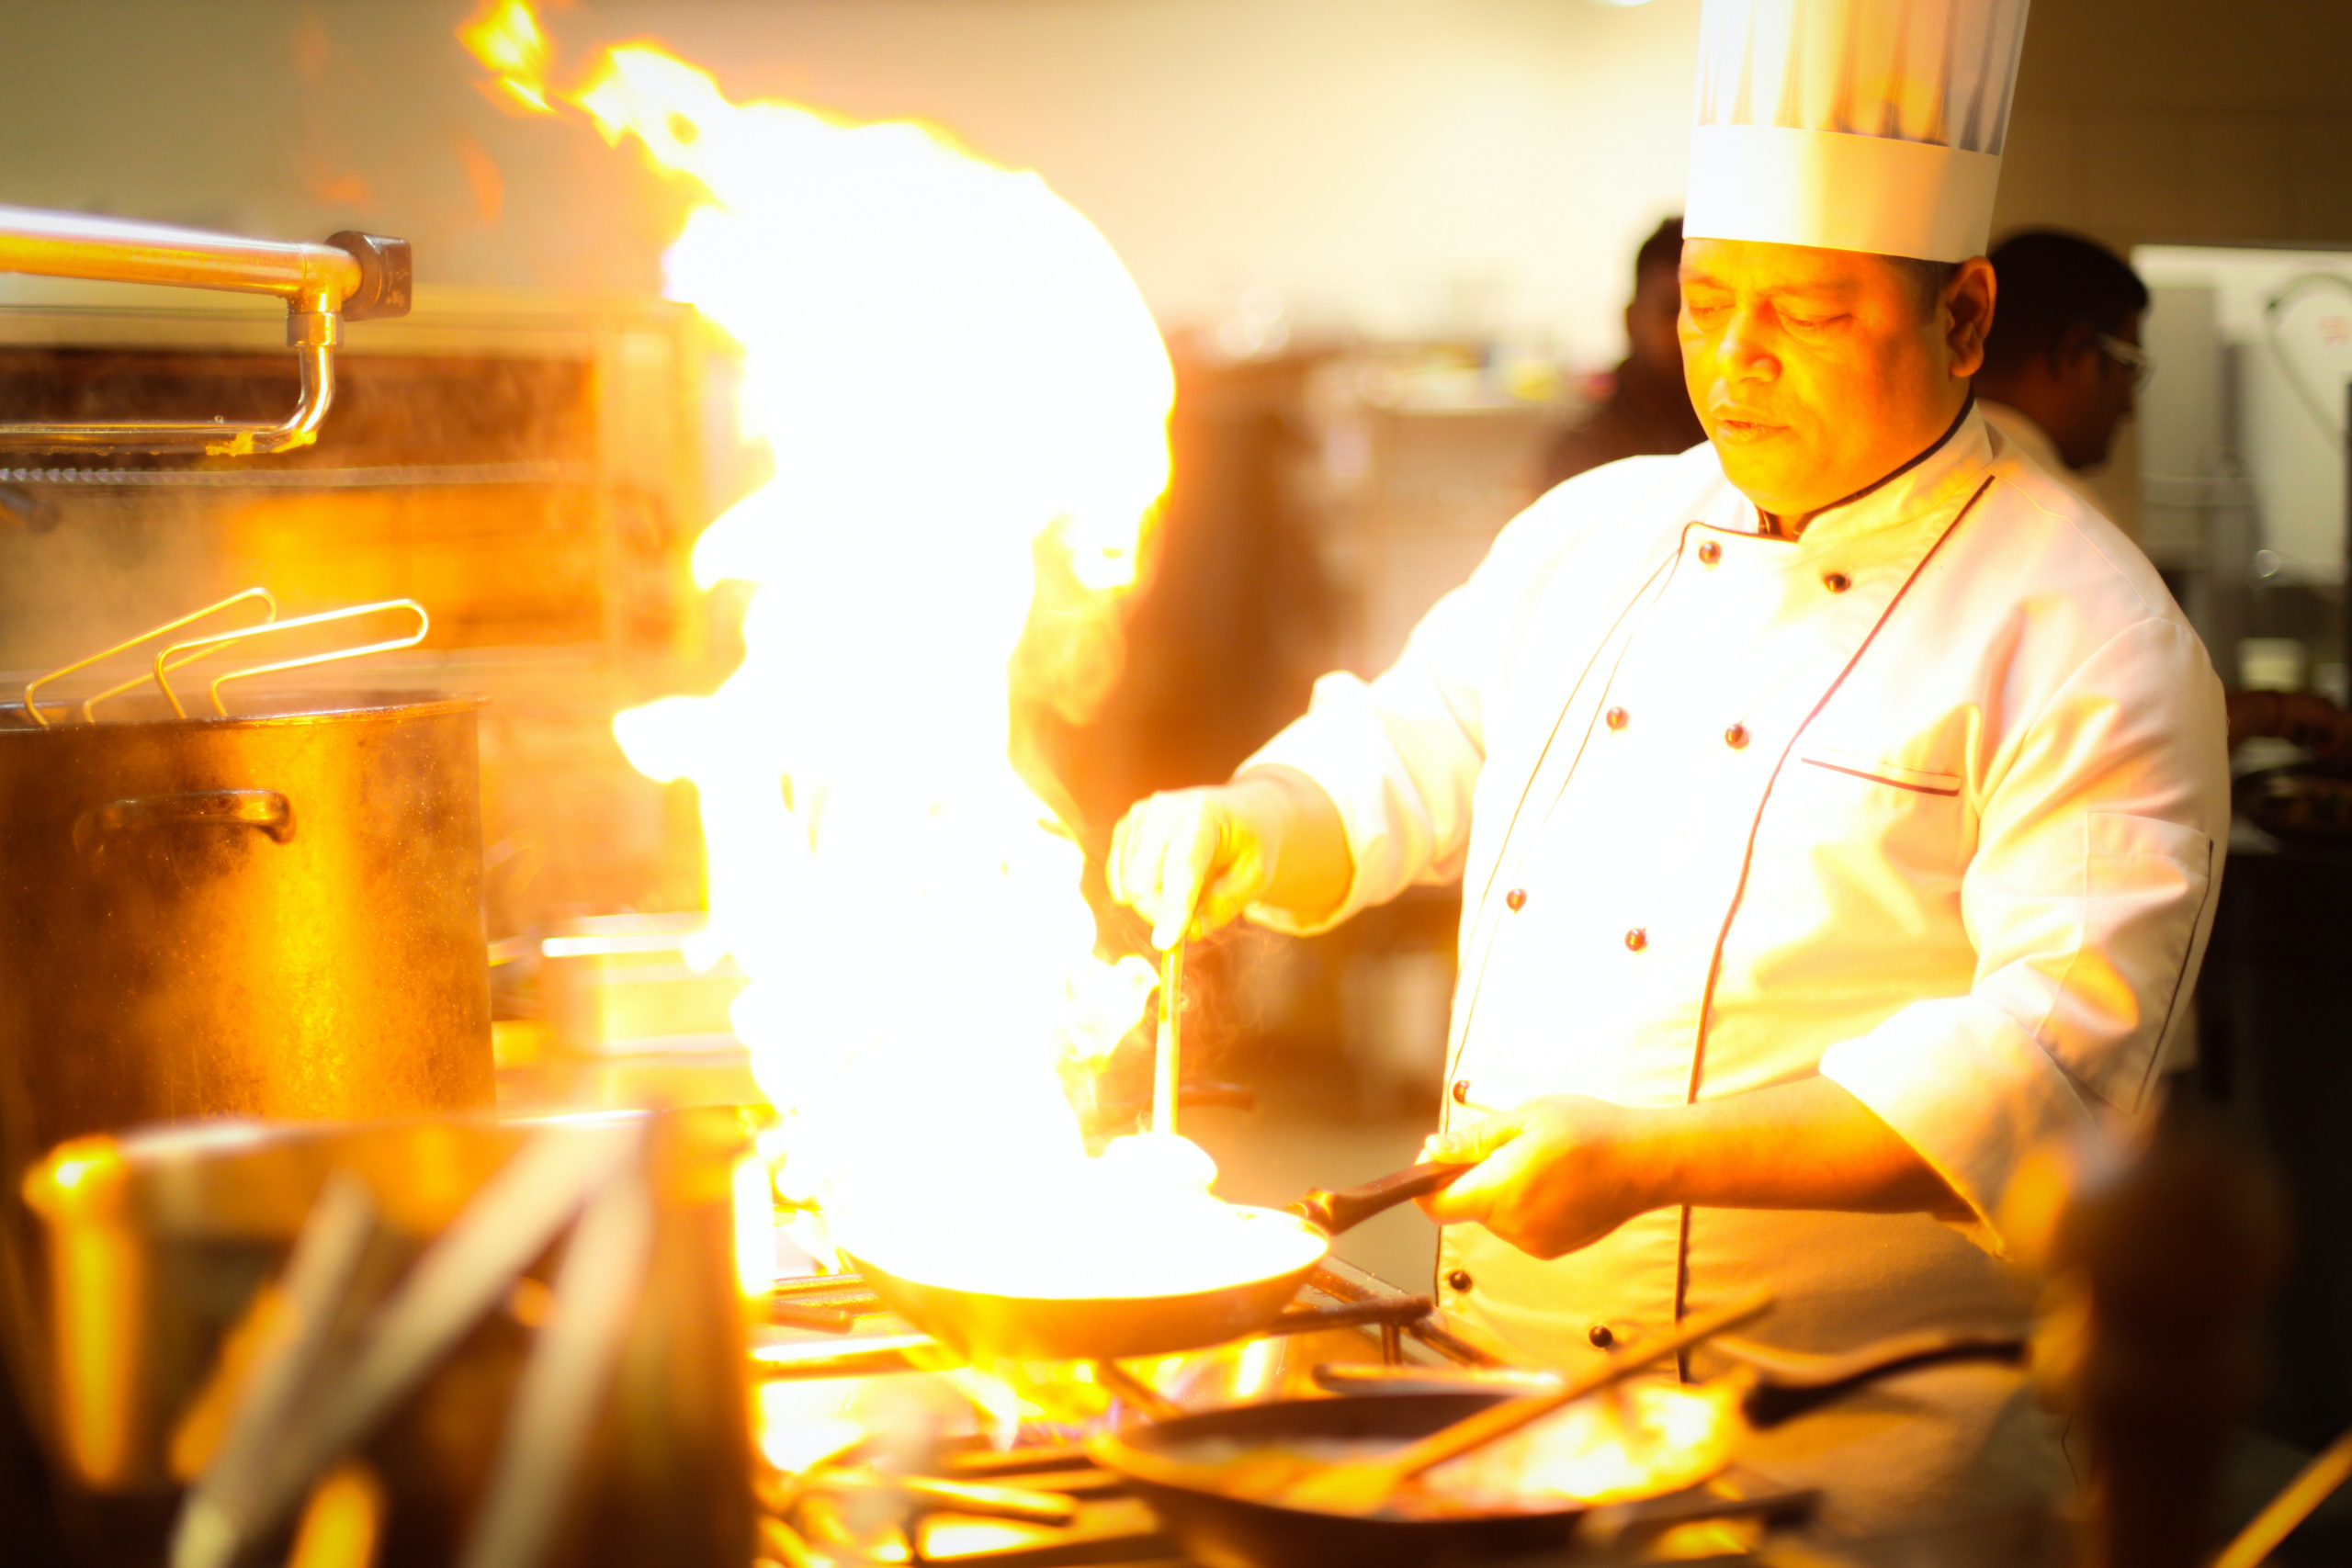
<point x="884" y="1449"/>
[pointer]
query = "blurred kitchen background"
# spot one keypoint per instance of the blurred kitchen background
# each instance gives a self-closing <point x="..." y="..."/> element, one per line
<point x="1389" y="243"/>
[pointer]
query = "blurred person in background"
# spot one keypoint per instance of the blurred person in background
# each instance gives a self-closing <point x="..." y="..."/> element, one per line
<point x="2063" y="360"/>
<point x="2062" y="366"/>
<point x="1648" y="411"/>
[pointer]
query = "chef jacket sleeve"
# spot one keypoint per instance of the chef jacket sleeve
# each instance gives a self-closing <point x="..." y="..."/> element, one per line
<point x="2088" y="900"/>
<point x="1400" y="755"/>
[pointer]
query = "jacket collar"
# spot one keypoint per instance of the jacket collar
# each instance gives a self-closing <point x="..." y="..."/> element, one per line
<point x="1939" y="477"/>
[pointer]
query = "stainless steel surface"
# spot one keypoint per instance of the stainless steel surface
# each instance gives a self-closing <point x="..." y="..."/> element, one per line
<point x="77" y="244"/>
<point x="470" y="1266"/>
<point x="564" y="1383"/>
<point x="265" y="809"/>
<point x="215" y="439"/>
<point x="628" y="1379"/>
<point x="318" y="1281"/>
<point x="621" y="984"/>
<point x="1367" y="1378"/>
<point x="174" y="941"/>
<point x="352" y="274"/>
<point x="275" y="914"/>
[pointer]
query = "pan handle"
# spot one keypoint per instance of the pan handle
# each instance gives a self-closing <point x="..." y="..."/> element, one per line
<point x="262" y="809"/>
<point x="1351" y="1206"/>
<point x="1776" y="1398"/>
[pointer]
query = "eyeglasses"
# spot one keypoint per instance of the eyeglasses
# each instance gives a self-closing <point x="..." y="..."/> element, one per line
<point x="2132" y="356"/>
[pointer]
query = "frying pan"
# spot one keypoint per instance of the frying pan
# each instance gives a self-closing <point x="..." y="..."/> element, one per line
<point x="992" y="1326"/>
<point x="1225" y="1531"/>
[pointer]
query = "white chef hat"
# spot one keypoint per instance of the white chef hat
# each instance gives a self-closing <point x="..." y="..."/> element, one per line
<point x="1854" y="125"/>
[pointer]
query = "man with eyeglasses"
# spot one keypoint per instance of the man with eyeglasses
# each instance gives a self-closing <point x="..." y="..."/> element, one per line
<point x="2063" y="360"/>
<point x="2061" y="365"/>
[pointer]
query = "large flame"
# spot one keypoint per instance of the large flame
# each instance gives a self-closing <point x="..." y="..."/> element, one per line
<point x="966" y="400"/>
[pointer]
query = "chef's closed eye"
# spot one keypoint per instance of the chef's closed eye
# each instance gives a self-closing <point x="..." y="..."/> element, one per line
<point x="1868" y="769"/>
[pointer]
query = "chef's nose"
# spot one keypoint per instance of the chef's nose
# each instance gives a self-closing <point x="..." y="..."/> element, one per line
<point x="1745" y="351"/>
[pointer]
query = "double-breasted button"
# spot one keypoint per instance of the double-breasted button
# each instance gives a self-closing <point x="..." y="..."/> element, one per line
<point x="1515" y="901"/>
<point x="1636" y="940"/>
<point x="1836" y="583"/>
<point x="1601" y="1335"/>
<point x="1735" y="737"/>
<point x="1459" y="1279"/>
<point x="1615" y="719"/>
<point x="1710" y="552"/>
<point x="1461" y="1091"/>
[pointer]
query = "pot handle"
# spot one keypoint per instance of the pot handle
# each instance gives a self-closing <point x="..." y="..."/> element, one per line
<point x="1777" y="1398"/>
<point x="262" y="809"/>
<point x="1351" y="1206"/>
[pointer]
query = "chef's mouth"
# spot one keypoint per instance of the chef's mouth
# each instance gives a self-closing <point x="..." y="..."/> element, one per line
<point x="1742" y="426"/>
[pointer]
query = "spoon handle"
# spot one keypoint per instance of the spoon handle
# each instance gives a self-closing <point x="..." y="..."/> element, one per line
<point x="1167" y="1062"/>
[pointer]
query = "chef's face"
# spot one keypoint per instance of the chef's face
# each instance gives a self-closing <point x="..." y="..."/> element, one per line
<point x="1818" y="373"/>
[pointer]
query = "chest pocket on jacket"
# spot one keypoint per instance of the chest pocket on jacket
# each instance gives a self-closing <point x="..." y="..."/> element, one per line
<point x="1870" y="770"/>
<point x="1896" y="832"/>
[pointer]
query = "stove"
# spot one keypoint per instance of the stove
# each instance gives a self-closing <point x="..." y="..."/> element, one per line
<point x="879" y="1449"/>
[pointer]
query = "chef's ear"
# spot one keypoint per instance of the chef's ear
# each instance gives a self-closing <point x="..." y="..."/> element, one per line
<point x="1966" y="309"/>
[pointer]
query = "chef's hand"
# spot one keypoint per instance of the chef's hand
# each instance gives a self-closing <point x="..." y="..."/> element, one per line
<point x="1555" y="1175"/>
<point x="1191" y="860"/>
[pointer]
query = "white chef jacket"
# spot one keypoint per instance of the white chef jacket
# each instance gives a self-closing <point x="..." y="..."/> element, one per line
<point x="2021" y="430"/>
<point x="1930" y="800"/>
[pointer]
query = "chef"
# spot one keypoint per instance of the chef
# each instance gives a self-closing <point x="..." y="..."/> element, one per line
<point x="1839" y="805"/>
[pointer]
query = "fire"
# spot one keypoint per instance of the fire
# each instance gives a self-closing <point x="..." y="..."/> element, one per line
<point x="966" y="400"/>
<point x="505" y="37"/>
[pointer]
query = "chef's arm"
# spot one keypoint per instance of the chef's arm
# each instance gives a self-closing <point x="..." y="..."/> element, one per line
<point x="1369" y="791"/>
<point x="1561" y="1172"/>
<point x="1807" y="1144"/>
<point x="2088" y="899"/>
<point x="1192" y="858"/>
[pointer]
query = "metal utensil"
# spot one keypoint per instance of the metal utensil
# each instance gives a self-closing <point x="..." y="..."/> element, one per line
<point x="318" y="1280"/>
<point x="1769" y="1394"/>
<point x="90" y="705"/>
<point x="2313" y="1485"/>
<point x="1363" y="1486"/>
<point x="1165" y="1067"/>
<point x="351" y="278"/>
<point x="277" y="914"/>
<point x="1214" y="1525"/>
<point x="196" y="646"/>
<point x="466" y="1271"/>
<point x="984" y="1498"/>
<point x="1408" y="1405"/>
<point x="554" y="1415"/>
